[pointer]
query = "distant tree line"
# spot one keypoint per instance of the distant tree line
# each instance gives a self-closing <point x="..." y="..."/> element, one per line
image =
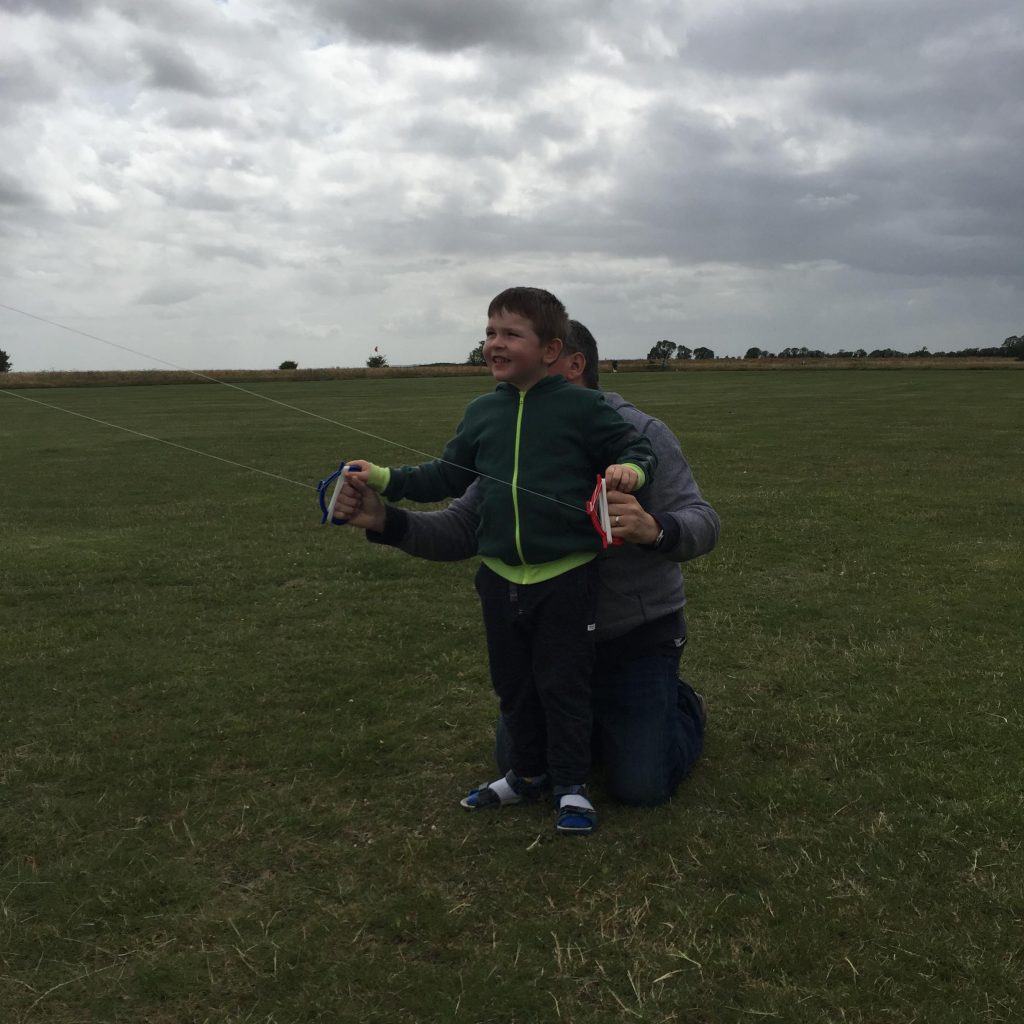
<point x="1012" y="347"/>
<point x="663" y="351"/>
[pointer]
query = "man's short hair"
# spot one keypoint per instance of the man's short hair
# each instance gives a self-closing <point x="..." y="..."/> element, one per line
<point x="581" y="340"/>
<point x="541" y="308"/>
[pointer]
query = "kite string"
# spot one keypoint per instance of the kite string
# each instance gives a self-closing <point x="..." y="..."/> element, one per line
<point x="162" y="440"/>
<point x="266" y="398"/>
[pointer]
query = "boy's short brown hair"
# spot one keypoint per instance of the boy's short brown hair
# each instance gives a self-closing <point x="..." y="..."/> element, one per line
<point x="540" y="307"/>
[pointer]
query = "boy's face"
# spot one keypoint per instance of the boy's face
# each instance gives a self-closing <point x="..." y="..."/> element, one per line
<point x="514" y="353"/>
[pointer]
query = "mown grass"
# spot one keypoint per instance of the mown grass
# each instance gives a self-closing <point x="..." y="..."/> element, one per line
<point x="233" y="741"/>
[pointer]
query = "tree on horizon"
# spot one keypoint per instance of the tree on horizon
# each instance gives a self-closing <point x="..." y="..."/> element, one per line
<point x="661" y="352"/>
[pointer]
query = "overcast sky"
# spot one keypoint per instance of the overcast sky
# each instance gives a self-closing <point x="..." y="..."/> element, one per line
<point x="233" y="183"/>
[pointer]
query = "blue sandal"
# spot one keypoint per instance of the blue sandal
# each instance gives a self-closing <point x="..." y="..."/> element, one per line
<point x="509" y="789"/>
<point x="576" y="814"/>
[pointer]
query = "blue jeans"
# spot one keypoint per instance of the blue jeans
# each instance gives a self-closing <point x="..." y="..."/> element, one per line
<point x="648" y="727"/>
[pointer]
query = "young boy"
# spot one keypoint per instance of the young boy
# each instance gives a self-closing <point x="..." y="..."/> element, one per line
<point x="537" y="444"/>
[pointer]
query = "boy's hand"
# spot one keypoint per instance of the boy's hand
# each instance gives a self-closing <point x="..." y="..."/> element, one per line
<point x="358" y="469"/>
<point x="621" y="478"/>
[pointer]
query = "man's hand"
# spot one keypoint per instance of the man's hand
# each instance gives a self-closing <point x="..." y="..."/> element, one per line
<point x="629" y="520"/>
<point x="621" y="478"/>
<point x="358" y="502"/>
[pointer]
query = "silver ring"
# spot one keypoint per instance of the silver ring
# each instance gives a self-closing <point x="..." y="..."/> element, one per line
<point x="615" y="522"/>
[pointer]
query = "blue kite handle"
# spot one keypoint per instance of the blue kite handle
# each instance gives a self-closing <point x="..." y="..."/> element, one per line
<point x="327" y="504"/>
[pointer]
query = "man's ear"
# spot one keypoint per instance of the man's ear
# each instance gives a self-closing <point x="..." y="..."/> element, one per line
<point x="577" y="363"/>
<point x="553" y="351"/>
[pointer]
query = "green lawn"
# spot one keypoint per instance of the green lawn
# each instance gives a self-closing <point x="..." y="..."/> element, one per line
<point x="233" y="741"/>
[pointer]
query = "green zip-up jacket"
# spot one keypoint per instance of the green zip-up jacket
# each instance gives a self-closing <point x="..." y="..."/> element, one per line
<point x="549" y="442"/>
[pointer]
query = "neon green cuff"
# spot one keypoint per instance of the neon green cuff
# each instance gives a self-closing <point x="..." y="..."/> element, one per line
<point x="641" y="478"/>
<point x="380" y="477"/>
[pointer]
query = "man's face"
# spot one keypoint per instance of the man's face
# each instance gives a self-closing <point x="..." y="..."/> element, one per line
<point x="514" y="352"/>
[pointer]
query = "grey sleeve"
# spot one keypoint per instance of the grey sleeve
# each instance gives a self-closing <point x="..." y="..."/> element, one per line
<point x="448" y="535"/>
<point x="691" y="525"/>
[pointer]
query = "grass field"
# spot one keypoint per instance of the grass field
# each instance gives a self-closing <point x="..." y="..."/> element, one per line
<point x="233" y="740"/>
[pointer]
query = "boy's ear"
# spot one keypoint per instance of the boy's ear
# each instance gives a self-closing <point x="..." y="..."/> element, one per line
<point x="553" y="351"/>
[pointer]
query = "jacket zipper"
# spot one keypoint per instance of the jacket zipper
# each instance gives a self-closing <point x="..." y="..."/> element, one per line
<point x="515" y="479"/>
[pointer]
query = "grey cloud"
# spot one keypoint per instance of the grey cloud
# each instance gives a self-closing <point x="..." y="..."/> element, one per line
<point x="196" y="20"/>
<point x="882" y="138"/>
<point x="23" y="81"/>
<point x="453" y="25"/>
<point x="970" y="96"/>
<point x="774" y="39"/>
<point x="55" y="8"/>
<point x="169" y="67"/>
<point x="202" y="198"/>
<point x="195" y="197"/>
<point x="693" y="189"/>
<point x="169" y="293"/>
<point x="432" y="132"/>
<point x="489" y="139"/>
<point x="547" y="125"/>
<point x="706" y="192"/>
<point x="14" y="193"/>
<point x="249" y="255"/>
<point x="78" y="53"/>
<point x="433" y="26"/>
<point x="195" y="114"/>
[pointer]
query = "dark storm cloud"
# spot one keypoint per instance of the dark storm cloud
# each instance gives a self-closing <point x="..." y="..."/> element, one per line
<point x="195" y="197"/>
<point x="169" y="293"/>
<point x="777" y="38"/>
<point x="972" y="95"/>
<point x="489" y="138"/>
<point x="453" y="25"/>
<point x="693" y="188"/>
<point x="55" y="8"/>
<point x="249" y="255"/>
<point x="703" y="190"/>
<point x="936" y="68"/>
<point x="22" y="80"/>
<point x="14" y="193"/>
<point x="169" y="67"/>
<point x="926" y="183"/>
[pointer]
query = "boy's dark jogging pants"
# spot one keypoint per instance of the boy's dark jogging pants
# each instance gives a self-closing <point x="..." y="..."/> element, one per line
<point x="540" y="643"/>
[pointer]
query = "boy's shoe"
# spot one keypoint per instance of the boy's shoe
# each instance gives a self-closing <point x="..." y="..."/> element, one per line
<point x="576" y="814"/>
<point x="509" y="789"/>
